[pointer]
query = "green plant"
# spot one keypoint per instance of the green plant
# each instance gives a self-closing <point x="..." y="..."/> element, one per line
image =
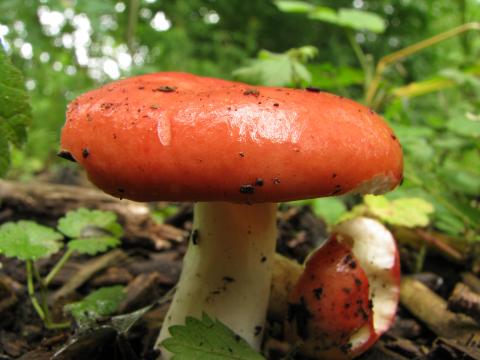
<point x="15" y="112"/>
<point x="90" y="232"/>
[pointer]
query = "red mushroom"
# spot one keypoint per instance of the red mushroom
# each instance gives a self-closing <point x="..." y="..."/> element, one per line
<point x="348" y="294"/>
<point x="236" y="151"/>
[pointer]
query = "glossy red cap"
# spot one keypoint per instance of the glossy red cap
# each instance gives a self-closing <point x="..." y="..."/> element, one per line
<point x="181" y="137"/>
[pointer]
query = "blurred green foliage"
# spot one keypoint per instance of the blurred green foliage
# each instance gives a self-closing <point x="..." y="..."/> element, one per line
<point x="431" y="98"/>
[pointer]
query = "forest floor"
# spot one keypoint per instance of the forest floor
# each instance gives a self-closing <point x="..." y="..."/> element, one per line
<point x="148" y="264"/>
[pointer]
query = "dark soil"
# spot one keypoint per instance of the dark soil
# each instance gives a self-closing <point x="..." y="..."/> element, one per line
<point x="151" y="268"/>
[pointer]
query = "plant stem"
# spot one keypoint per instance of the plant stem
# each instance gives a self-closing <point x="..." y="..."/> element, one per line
<point x="31" y="291"/>
<point x="362" y="59"/>
<point x="42" y="310"/>
<point x="132" y="23"/>
<point x="43" y="293"/>
<point x="409" y="50"/>
<point x="227" y="269"/>
<point x="58" y="266"/>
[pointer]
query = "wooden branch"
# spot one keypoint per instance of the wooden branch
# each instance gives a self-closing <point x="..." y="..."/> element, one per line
<point x="87" y="271"/>
<point x="432" y="310"/>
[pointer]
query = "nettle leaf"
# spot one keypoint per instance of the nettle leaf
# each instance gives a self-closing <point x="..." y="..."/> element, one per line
<point x="83" y="222"/>
<point x="93" y="245"/>
<point x="408" y="212"/>
<point x="27" y="240"/>
<point x="102" y="302"/>
<point x="15" y="111"/>
<point x="207" y="339"/>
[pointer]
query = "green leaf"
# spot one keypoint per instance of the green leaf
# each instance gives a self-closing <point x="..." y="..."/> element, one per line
<point x="408" y="212"/>
<point x="83" y="222"/>
<point x="361" y="20"/>
<point x="468" y="125"/>
<point x="327" y="76"/>
<point x="330" y="209"/>
<point x="274" y="69"/>
<point x="323" y="13"/>
<point x="102" y="302"/>
<point x="207" y="339"/>
<point x="27" y="240"/>
<point x="93" y="245"/>
<point x="15" y="111"/>
<point x="350" y="18"/>
<point x="294" y="6"/>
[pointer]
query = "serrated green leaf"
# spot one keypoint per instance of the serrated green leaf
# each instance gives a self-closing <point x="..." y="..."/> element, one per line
<point x="293" y="6"/>
<point x="15" y="111"/>
<point x="27" y="240"/>
<point x="102" y="302"/>
<point x="207" y="339"/>
<point x="93" y="245"/>
<point x="408" y="212"/>
<point x="76" y="223"/>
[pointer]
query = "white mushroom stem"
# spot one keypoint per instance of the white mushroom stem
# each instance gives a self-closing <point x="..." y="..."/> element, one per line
<point x="227" y="269"/>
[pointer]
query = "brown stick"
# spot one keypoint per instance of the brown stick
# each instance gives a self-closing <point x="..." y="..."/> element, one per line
<point x="87" y="271"/>
<point x="432" y="310"/>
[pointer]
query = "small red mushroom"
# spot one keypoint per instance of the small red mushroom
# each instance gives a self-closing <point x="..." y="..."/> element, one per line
<point x="348" y="294"/>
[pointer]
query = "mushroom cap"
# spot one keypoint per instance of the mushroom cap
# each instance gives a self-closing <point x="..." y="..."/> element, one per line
<point x="181" y="137"/>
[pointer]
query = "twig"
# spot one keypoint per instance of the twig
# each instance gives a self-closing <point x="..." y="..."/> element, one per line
<point x="432" y="310"/>
<point x="87" y="271"/>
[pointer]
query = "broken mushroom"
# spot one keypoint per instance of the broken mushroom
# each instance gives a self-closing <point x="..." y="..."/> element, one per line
<point x="348" y="293"/>
<point x="236" y="151"/>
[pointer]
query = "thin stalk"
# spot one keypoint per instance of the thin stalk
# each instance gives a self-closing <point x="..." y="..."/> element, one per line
<point x="58" y="266"/>
<point x="412" y="49"/>
<point x="361" y="57"/>
<point x="132" y="23"/>
<point x="31" y="291"/>
<point x="43" y="293"/>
